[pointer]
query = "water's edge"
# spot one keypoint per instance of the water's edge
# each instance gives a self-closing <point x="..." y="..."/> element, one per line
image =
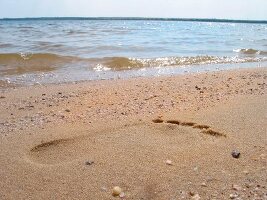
<point x="77" y="77"/>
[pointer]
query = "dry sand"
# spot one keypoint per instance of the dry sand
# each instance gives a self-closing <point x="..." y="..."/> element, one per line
<point x="156" y="138"/>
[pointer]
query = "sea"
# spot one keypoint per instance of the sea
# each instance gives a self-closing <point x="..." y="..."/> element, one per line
<point x="57" y="50"/>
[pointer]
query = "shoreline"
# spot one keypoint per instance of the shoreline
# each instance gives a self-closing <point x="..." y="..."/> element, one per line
<point x="128" y="129"/>
<point x="6" y="84"/>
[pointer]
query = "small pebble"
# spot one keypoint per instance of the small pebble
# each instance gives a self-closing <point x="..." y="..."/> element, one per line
<point x="203" y="184"/>
<point x="116" y="191"/>
<point x="262" y="156"/>
<point x="249" y="185"/>
<point x="236" y="187"/>
<point x="2" y="97"/>
<point x="191" y="193"/>
<point x="198" y="88"/>
<point x="257" y="188"/>
<point x="168" y="162"/>
<point x="235" y="154"/>
<point x="122" y="195"/>
<point x="89" y="162"/>
<point x="196" y="197"/>
<point x="67" y="110"/>
<point x="233" y="196"/>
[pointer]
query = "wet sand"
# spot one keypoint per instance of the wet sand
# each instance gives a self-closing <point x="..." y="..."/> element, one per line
<point x="156" y="138"/>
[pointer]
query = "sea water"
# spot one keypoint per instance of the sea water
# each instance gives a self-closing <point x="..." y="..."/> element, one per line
<point x="62" y="50"/>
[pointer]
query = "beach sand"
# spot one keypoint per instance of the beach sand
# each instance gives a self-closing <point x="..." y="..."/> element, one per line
<point x="156" y="138"/>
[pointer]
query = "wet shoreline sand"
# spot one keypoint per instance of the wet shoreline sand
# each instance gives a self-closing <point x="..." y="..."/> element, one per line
<point x="79" y="140"/>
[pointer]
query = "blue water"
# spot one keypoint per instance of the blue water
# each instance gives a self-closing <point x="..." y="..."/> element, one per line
<point x="95" y="49"/>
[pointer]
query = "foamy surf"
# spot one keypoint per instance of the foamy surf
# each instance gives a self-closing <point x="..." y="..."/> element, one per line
<point x="250" y="51"/>
<point x="11" y="64"/>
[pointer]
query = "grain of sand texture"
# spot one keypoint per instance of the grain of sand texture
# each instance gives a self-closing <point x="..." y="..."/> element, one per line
<point x="155" y="138"/>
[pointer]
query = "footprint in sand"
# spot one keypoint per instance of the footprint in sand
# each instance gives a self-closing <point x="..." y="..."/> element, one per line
<point x="205" y="129"/>
<point x="50" y="152"/>
<point x="61" y="150"/>
<point x="118" y="141"/>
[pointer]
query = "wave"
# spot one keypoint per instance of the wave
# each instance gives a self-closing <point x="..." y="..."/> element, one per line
<point x="29" y="56"/>
<point x="13" y="63"/>
<point x="42" y="62"/>
<point x="250" y="51"/>
<point x="122" y="63"/>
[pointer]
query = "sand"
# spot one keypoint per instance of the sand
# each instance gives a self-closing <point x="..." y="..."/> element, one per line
<point x="156" y="138"/>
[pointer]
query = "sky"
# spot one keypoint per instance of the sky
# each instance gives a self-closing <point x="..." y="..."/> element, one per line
<point x="226" y="9"/>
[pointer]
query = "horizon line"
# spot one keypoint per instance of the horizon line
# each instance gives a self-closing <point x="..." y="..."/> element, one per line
<point x="139" y="18"/>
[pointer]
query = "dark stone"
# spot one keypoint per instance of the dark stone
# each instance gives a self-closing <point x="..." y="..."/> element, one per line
<point x="198" y="88"/>
<point x="235" y="154"/>
<point x="67" y="110"/>
<point x="89" y="162"/>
